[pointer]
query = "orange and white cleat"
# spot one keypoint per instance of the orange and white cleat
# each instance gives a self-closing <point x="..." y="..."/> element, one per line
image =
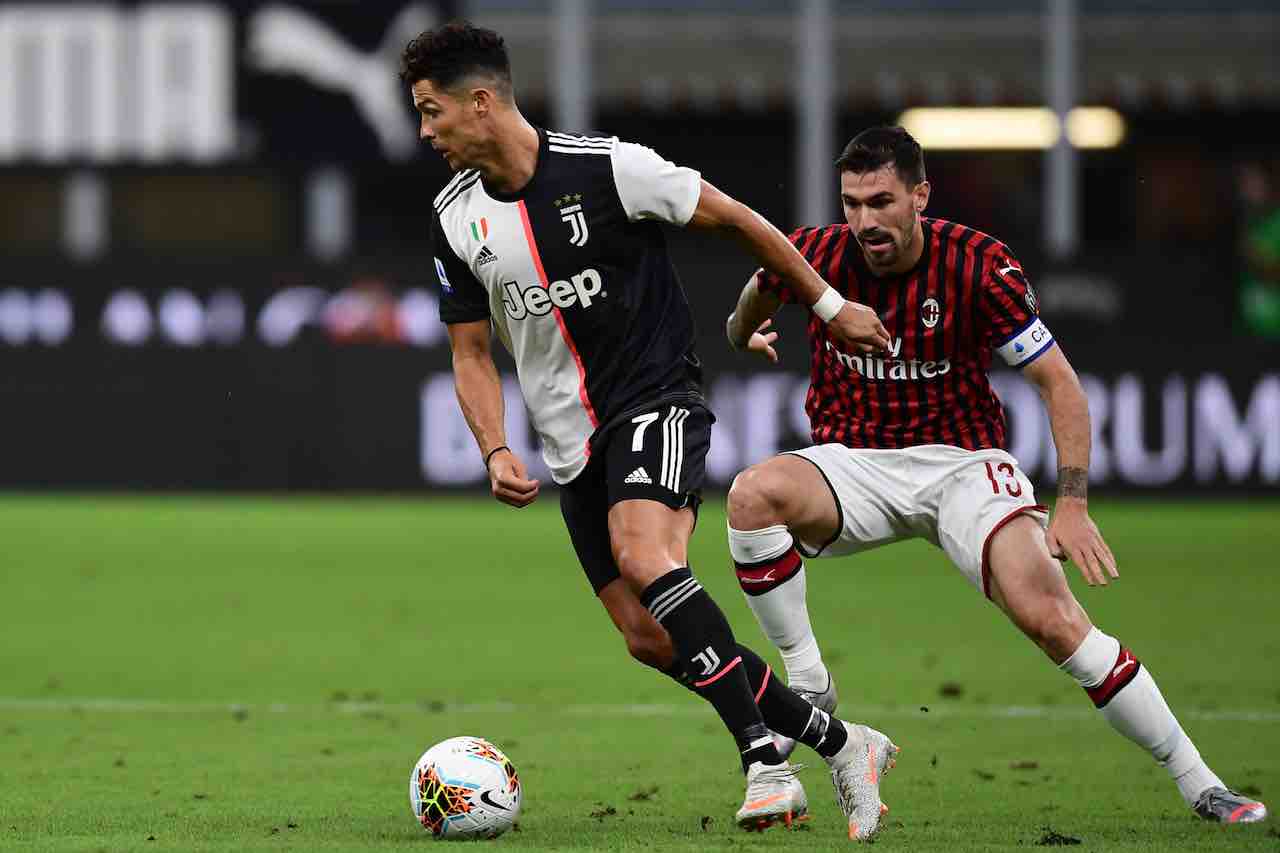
<point x="774" y="795"/>
<point x="856" y="771"/>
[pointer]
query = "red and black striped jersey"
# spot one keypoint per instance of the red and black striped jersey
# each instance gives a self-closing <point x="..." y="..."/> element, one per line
<point x="965" y="298"/>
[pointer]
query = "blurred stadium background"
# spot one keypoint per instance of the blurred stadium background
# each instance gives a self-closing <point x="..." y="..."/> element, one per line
<point x="215" y="278"/>
<point x="214" y="233"/>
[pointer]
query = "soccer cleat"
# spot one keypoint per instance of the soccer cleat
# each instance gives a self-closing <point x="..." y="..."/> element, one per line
<point x="1226" y="806"/>
<point x="856" y="770"/>
<point x="826" y="700"/>
<point x="774" y="793"/>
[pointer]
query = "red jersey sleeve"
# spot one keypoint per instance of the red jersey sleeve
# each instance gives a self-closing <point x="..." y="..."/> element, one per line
<point x="1008" y="304"/>
<point x="1011" y="312"/>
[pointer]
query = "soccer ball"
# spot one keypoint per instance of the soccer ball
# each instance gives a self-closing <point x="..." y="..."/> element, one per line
<point x="465" y="787"/>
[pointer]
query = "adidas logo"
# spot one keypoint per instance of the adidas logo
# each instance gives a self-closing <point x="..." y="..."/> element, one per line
<point x="485" y="256"/>
<point x="638" y="476"/>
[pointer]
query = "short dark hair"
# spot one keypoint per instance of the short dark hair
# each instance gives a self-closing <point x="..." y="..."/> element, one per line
<point x="457" y="50"/>
<point x="876" y="147"/>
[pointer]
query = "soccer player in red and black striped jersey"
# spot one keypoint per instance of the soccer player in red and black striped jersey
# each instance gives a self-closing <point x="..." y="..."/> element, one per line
<point x="909" y="444"/>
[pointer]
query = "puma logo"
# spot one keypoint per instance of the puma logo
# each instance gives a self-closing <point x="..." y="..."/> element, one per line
<point x="765" y="578"/>
<point x="1128" y="661"/>
<point x="289" y="40"/>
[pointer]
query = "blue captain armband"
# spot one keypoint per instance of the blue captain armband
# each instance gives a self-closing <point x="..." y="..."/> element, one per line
<point x="1027" y="345"/>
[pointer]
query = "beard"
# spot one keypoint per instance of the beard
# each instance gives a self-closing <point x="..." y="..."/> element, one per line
<point x="893" y="251"/>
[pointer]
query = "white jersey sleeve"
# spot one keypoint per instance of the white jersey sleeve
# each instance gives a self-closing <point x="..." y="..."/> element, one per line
<point x="650" y="187"/>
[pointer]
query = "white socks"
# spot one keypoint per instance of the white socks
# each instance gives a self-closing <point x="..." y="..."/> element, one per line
<point x="1127" y="696"/>
<point x="772" y="576"/>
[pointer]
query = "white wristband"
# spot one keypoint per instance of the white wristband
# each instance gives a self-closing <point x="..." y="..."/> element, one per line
<point x="828" y="304"/>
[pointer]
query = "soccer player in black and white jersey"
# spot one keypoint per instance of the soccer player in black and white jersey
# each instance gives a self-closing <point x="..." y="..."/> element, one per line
<point x="553" y="242"/>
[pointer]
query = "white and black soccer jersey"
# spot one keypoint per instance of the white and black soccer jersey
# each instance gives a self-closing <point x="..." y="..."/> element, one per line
<point x="573" y="273"/>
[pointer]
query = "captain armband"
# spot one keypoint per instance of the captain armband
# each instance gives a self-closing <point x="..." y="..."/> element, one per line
<point x="1027" y="345"/>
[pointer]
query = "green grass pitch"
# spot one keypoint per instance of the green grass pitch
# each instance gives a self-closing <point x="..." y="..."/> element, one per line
<point x="229" y="673"/>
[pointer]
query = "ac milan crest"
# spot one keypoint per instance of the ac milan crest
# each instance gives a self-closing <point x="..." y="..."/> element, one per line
<point x="930" y="312"/>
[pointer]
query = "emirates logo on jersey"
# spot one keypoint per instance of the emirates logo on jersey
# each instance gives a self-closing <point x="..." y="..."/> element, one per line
<point x="906" y="369"/>
<point x="930" y="311"/>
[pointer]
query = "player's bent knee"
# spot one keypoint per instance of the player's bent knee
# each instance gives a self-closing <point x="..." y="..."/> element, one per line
<point x="641" y="563"/>
<point x="756" y="498"/>
<point x="1058" y="627"/>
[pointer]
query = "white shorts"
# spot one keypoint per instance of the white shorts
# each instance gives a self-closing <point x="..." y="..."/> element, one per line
<point x="955" y="498"/>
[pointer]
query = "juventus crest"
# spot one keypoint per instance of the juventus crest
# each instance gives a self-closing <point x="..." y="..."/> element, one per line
<point x="571" y="212"/>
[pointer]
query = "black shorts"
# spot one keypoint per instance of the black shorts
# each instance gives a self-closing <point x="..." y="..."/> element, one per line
<point x="658" y="455"/>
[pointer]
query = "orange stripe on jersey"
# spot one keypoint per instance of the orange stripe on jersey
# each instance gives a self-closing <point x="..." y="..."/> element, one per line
<point x="564" y="330"/>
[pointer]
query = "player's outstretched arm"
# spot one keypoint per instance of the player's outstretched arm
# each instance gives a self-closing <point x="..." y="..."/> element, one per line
<point x="855" y="326"/>
<point x="1072" y="534"/>
<point x="479" y="389"/>
<point x="748" y="324"/>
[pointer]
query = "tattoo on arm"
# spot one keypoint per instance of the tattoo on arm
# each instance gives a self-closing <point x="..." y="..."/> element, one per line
<point x="1073" y="483"/>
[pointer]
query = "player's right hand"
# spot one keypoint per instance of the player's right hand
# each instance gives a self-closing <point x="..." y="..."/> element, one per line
<point x="1072" y="535"/>
<point x="857" y="328"/>
<point x="762" y="342"/>
<point x="510" y="481"/>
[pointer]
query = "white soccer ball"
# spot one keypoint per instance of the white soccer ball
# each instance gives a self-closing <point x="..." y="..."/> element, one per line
<point x="465" y="787"/>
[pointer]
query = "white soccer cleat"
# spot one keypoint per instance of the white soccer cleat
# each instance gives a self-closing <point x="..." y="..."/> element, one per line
<point x="856" y="770"/>
<point x="826" y="700"/>
<point x="774" y="793"/>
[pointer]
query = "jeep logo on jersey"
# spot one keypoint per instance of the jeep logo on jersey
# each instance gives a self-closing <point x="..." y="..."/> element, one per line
<point x="537" y="301"/>
<point x="572" y="214"/>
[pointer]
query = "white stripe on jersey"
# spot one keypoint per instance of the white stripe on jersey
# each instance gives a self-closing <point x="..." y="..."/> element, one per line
<point x="452" y="185"/>
<point x="461" y="188"/>
<point x="570" y="139"/>
<point x="561" y="149"/>
<point x="453" y="182"/>
<point x="582" y="143"/>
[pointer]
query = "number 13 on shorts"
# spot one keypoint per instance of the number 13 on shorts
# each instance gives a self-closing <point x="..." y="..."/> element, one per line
<point x="1003" y="473"/>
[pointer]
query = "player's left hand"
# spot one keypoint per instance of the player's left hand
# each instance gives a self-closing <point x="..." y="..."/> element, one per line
<point x="762" y="342"/>
<point x="1073" y="536"/>
<point x="857" y="328"/>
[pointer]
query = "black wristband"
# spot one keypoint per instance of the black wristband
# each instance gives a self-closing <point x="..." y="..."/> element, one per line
<point x="489" y="455"/>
